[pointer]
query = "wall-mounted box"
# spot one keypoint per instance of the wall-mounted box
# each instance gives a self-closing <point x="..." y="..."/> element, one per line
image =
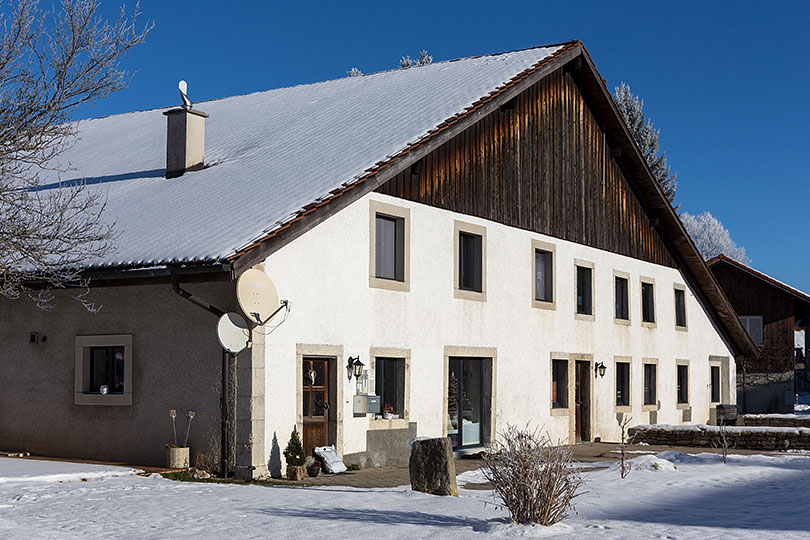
<point x="374" y="404"/>
<point x="360" y="405"/>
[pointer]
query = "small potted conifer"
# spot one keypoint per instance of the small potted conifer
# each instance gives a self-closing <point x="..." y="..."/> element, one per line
<point x="295" y="457"/>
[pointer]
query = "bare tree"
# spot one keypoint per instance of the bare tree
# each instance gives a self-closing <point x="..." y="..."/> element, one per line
<point x="723" y="442"/>
<point x="712" y="238"/>
<point x="50" y="64"/>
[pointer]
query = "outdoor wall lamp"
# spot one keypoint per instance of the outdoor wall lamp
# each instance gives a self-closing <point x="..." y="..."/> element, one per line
<point x="599" y="369"/>
<point x="354" y="367"/>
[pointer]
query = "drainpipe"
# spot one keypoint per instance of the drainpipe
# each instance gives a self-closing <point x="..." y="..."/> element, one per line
<point x="225" y="454"/>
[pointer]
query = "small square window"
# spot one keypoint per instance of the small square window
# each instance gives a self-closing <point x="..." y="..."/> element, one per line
<point x="650" y="384"/>
<point x="622" y="303"/>
<point x="680" y="308"/>
<point x="559" y="384"/>
<point x="584" y="290"/>
<point x="753" y="324"/>
<point x="647" y="302"/>
<point x="622" y="384"/>
<point x="103" y="370"/>
<point x="683" y="384"/>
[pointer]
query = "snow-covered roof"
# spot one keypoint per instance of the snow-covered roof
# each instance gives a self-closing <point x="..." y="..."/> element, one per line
<point x="272" y="152"/>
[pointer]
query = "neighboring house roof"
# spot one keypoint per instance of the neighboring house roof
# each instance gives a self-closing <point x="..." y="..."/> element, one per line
<point x="773" y="282"/>
<point x="284" y="160"/>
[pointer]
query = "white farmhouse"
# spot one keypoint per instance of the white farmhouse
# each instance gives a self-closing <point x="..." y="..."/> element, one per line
<point x="482" y="235"/>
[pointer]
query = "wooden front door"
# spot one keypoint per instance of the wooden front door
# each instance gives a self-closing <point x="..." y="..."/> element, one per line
<point x="582" y="400"/>
<point x="315" y="403"/>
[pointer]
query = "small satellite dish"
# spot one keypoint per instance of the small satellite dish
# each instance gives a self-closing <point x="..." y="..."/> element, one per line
<point x="257" y="295"/>
<point x="184" y="94"/>
<point x="233" y="332"/>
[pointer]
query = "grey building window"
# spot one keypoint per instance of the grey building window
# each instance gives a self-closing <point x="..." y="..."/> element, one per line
<point x="543" y="275"/>
<point x="390" y="247"/>
<point x="680" y="307"/>
<point x="559" y="384"/>
<point x="649" y="384"/>
<point x="469" y="262"/>
<point x="647" y="302"/>
<point x="715" y="383"/>
<point x="753" y="324"/>
<point x="623" y="384"/>
<point x="106" y="370"/>
<point x="683" y="384"/>
<point x="389" y="379"/>
<point x="622" y="304"/>
<point x="584" y="290"/>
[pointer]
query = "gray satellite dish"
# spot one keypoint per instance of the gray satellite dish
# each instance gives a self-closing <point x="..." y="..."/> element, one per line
<point x="184" y="94"/>
<point x="257" y="295"/>
<point x="233" y="332"/>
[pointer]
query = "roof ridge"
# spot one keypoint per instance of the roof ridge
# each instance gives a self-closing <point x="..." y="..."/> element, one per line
<point x="374" y="73"/>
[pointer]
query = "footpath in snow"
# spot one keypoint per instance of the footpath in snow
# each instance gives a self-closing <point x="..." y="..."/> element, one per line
<point x="666" y="495"/>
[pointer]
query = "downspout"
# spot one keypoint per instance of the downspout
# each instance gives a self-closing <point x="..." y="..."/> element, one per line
<point x="226" y="358"/>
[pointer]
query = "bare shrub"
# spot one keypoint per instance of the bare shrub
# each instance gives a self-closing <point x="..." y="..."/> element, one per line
<point x="626" y="441"/>
<point x="536" y="480"/>
<point x="723" y="442"/>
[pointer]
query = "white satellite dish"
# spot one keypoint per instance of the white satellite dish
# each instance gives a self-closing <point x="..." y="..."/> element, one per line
<point x="233" y="332"/>
<point x="257" y="295"/>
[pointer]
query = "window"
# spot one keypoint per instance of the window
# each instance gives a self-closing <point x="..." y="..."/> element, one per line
<point x="680" y="308"/>
<point x="389" y="246"/>
<point x="715" y="383"/>
<point x="469" y="262"/>
<point x="106" y="370"/>
<point x="647" y="303"/>
<point x="753" y="324"/>
<point x="559" y="384"/>
<point x="622" y="384"/>
<point x="389" y="374"/>
<point x="389" y="249"/>
<point x="622" y="304"/>
<point x="683" y="384"/>
<point x="543" y="276"/>
<point x="103" y="370"/>
<point x="584" y="290"/>
<point x="650" y="384"/>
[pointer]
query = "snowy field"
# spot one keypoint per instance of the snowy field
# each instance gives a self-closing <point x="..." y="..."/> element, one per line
<point x="669" y="495"/>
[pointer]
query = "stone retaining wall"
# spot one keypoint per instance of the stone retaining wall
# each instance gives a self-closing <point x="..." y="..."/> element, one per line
<point x="752" y="438"/>
<point x="776" y="420"/>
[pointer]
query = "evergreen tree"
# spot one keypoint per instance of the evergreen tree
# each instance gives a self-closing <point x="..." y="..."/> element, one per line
<point x="632" y="108"/>
<point x="354" y="72"/>
<point x="294" y="453"/>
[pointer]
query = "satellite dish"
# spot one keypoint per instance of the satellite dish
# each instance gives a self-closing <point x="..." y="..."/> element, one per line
<point x="184" y="94"/>
<point x="233" y="332"/>
<point x="257" y="295"/>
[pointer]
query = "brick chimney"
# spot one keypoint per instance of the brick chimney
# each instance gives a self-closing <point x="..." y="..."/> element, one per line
<point x="185" y="140"/>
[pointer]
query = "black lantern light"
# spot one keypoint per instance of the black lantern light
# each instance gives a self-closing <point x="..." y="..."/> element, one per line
<point x="599" y="369"/>
<point x="354" y="367"/>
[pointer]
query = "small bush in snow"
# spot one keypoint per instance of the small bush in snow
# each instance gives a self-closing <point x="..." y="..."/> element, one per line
<point x="536" y="480"/>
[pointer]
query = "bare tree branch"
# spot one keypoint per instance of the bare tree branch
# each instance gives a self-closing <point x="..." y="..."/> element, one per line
<point x="50" y="64"/>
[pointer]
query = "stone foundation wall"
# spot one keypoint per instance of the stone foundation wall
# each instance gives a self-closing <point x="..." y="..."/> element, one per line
<point x="751" y="438"/>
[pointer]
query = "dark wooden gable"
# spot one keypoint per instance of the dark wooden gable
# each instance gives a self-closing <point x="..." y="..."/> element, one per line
<point x="541" y="163"/>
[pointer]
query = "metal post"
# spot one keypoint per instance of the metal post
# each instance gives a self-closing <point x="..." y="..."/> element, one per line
<point x="225" y="443"/>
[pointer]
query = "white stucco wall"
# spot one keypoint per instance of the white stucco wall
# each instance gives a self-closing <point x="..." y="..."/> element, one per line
<point x="325" y="276"/>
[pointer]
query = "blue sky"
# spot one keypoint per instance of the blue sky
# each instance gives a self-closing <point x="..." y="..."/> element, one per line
<point x="727" y="83"/>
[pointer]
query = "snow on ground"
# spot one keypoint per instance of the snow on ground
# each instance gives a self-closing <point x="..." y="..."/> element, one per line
<point x="802" y="404"/>
<point x="668" y="495"/>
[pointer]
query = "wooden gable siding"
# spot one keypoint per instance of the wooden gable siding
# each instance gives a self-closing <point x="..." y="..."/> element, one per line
<point x="543" y="166"/>
<point x="751" y="296"/>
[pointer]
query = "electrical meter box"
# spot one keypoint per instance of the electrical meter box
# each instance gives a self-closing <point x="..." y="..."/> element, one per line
<point x="374" y="404"/>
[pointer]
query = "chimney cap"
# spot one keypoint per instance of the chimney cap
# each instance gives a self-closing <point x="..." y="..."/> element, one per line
<point x="179" y="110"/>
